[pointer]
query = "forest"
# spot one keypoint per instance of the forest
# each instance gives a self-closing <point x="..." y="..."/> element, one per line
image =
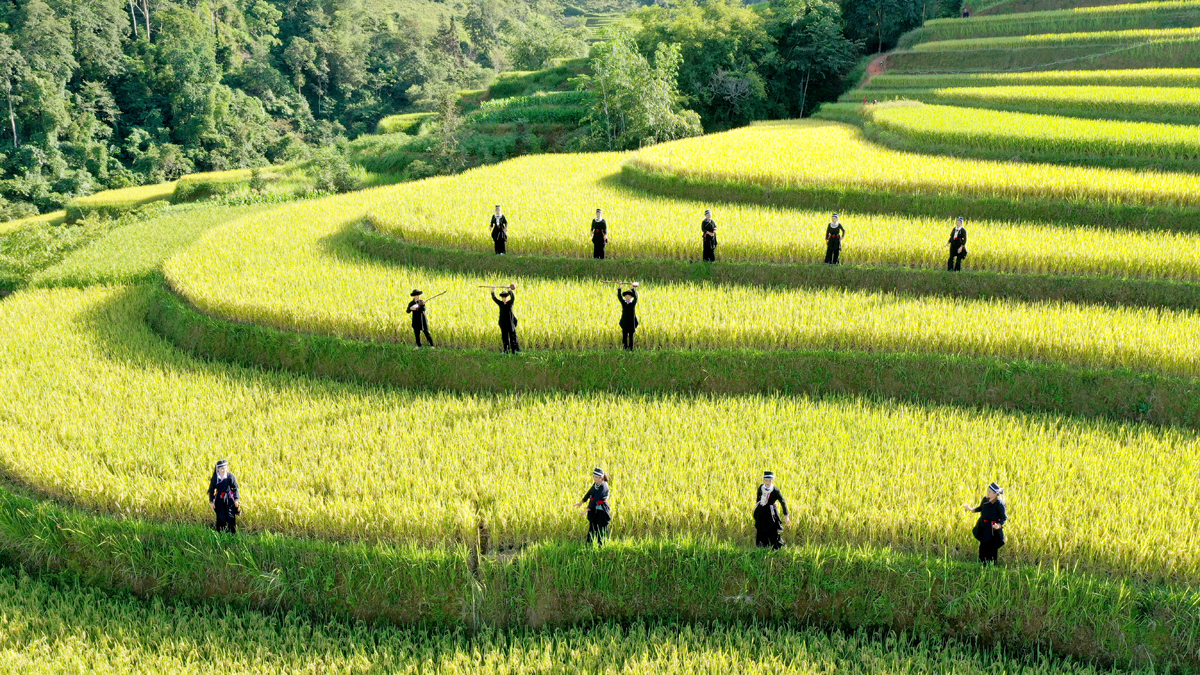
<point x="102" y="94"/>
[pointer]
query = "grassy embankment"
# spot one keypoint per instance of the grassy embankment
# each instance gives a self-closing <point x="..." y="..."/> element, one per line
<point x="52" y="622"/>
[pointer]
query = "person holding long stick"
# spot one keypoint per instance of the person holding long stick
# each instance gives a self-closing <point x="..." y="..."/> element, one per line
<point x="508" y="322"/>
<point x="599" y="235"/>
<point x="989" y="529"/>
<point x="629" y="320"/>
<point x="834" y="232"/>
<point x="420" y="322"/>
<point x="708" y="232"/>
<point x="599" y="512"/>
<point x="499" y="227"/>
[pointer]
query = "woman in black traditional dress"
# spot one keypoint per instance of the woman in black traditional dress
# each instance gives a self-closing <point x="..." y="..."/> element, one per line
<point x="989" y="529"/>
<point x="599" y="512"/>
<point x="768" y="528"/>
<point x="224" y="497"/>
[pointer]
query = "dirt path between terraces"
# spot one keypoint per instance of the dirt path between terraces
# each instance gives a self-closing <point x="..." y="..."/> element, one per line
<point x="875" y="67"/>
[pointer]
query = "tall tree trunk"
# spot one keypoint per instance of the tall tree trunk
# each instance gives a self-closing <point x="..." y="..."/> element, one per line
<point x="804" y="91"/>
<point x="146" y="14"/>
<point x="12" y="118"/>
<point x="133" y="19"/>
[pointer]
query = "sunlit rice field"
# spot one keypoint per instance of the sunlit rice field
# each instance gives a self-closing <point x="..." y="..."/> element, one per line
<point x="993" y="130"/>
<point x="1139" y="77"/>
<point x="820" y="153"/>
<point x="1179" y="105"/>
<point x="550" y="200"/>
<point x="100" y="412"/>
<point x="1064" y="39"/>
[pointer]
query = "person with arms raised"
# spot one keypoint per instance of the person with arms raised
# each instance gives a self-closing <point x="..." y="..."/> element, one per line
<point x="508" y="322"/>
<point x="629" y="320"/>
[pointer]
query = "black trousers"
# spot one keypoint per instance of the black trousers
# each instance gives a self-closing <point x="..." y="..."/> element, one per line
<point x="954" y="264"/>
<point x="989" y="550"/>
<point x="598" y="250"/>
<point x="226" y="520"/>
<point x="500" y="245"/>
<point x="508" y="336"/>
<point x="417" y="332"/>
<point x="597" y="527"/>
<point x="627" y="340"/>
<point x="710" y="251"/>
<point x="831" y="254"/>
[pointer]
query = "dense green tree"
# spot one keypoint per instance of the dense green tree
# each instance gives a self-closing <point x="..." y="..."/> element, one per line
<point x="722" y="45"/>
<point x="878" y="24"/>
<point x="811" y="54"/>
<point x="637" y="99"/>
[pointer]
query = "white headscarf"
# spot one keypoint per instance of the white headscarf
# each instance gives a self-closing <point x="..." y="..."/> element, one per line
<point x="766" y="494"/>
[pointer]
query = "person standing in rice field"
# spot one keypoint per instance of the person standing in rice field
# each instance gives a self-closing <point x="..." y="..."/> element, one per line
<point x="420" y="322"/>
<point x="767" y="525"/>
<point x="629" y="320"/>
<point x="499" y="227"/>
<point x="708" y="232"/>
<point x="834" y="232"/>
<point x="508" y="322"/>
<point x="599" y="235"/>
<point x="224" y="497"/>
<point x="989" y="529"/>
<point x="599" y="510"/>
<point x="958" y="246"/>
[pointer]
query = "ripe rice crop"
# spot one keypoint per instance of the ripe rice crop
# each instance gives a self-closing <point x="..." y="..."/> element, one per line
<point x="1023" y="133"/>
<point x="291" y="269"/>
<point x="812" y="153"/>
<point x="52" y="218"/>
<point x="1141" y="77"/>
<point x="136" y="251"/>
<point x="1062" y="39"/>
<point x="56" y="627"/>
<point x="113" y="203"/>
<point x="1142" y="15"/>
<point x="101" y="412"/>
<point x="549" y="201"/>
<point x="1178" y="53"/>
<point x="1179" y="105"/>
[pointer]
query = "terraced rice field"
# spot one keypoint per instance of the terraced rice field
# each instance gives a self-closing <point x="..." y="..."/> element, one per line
<point x="1025" y="134"/>
<point x="108" y="431"/>
<point x="1142" y="77"/>
<point x="846" y="160"/>
<point x="1176" y="105"/>
<point x="551" y="208"/>
<point x="112" y="418"/>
